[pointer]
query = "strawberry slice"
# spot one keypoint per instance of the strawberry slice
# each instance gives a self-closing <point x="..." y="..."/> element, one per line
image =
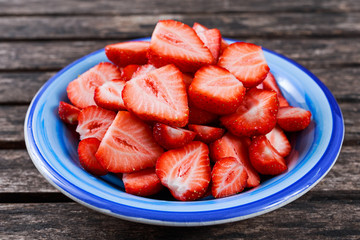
<point x="246" y="61"/>
<point x="177" y="43"/>
<point x="237" y="147"/>
<point x="128" y="71"/>
<point x="216" y="90"/>
<point x="93" y="122"/>
<point x="108" y="95"/>
<point x="144" y="69"/>
<point x="256" y="114"/>
<point x="172" y="137"/>
<point x="264" y="158"/>
<point x="86" y="151"/>
<point x="206" y="134"/>
<point x="159" y="95"/>
<point x="211" y="39"/>
<point x="126" y="53"/>
<point x="81" y="90"/>
<point x="279" y="141"/>
<point x="228" y="177"/>
<point x="199" y="116"/>
<point x="185" y="171"/>
<point x="128" y="145"/>
<point x="142" y="183"/>
<point x="293" y="119"/>
<point x="270" y="84"/>
<point x="187" y="80"/>
<point x="68" y="113"/>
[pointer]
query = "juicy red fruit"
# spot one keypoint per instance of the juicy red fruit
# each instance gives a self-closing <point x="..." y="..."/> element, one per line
<point x="270" y="84"/>
<point x="172" y="137"/>
<point x="126" y="53"/>
<point x="185" y="171"/>
<point x="279" y="141"/>
<point x="293" y="119"/>
<point x="109" y="95"/>
<point x="68" y="113"/>
<point x="211" y="39"/>
<point x="176" y="43"/>
<point x="86" y="151"/>
<point x="206" y="134"/>
<point x="142" y="183"/>
<point x="228" y="177"/>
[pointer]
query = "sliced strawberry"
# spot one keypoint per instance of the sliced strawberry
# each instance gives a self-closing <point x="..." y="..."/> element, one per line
<point x="270" y="84"/>
<point x="293" y="119"/>
<point x="210" y="37"/>
<point x="172" y="137"/>
<point x="108" y="95"/>
<point x="216" y="90"/>
<point x="279" y="141"/>
<point x="128" y="145"/>
<point x="144" y="69"/>
<point x="185" y="171"/>
<point x="246" y="61"/>
<point x="142" y="183"/>
<point x="128" y="71"/>
<point x="187" y="80"/>
<point x="93" y="122"/>
<point x="126" y="53"/>
<point x="86" y="151"/>
<point x="206" y="134"/>
<point x="264" y="158"/>
<point x="223" y="46"/>
<point x="256" y="114"/>
<point x="176" y="43"/>
<point x="68" y="113"/>
<point x="199" y="116"/>
<point x="81" y="90"/>
<point x="229" y="177"/>
<point x="237" y="147"/>
<point x="159" y="95"/>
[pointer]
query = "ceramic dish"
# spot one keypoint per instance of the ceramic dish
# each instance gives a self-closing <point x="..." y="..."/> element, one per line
<point x="52" y="147"/>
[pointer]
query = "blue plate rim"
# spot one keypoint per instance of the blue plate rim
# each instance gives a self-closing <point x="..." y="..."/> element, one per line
<point x="270" y="203"/>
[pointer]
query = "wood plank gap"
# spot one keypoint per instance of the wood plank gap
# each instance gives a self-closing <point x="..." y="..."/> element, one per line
<point x="33" y="197"/>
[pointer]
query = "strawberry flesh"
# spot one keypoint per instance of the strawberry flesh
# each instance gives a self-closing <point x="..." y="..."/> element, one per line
<point x="109" y="95"/>
<point x="206" y="134"/>
<point x="142" y="183"/>
<point x="126" y="53"/>
<point x="172" y="137"/>
<point x="279" y="141"/>
<point x="128" y="71"/>
<point x="270" y="84"/>
<point x="68" y="113"/>
<point x="293" y="119"/>
<point x="185" y="171"/>
<point x="86" y="151"/>
<point x="210" y="37"/>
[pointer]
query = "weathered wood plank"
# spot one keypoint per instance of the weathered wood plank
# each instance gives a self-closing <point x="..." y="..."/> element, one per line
<point x="19" y="175"/>
<point x="71" y="7"/>
<point x="21" y="87"/>
<point x="12" y="122"/>
<point x="230" y="24"/>
<point x="300" y="220"/>
<point x="54" y="55"/>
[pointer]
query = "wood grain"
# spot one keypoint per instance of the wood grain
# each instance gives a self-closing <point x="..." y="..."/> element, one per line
<point x="54" y="55"/>
<point x="303" y="218"/>
<point x="19" y="175"/>
<point x="32" y="7"/>
<point x="230" y="24"/>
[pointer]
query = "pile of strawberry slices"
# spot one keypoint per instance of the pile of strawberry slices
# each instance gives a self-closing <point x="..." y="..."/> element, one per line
<point x="185" y="111"/>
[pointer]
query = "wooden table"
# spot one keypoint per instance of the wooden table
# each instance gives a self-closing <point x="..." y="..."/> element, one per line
<point x="38" y="38"/>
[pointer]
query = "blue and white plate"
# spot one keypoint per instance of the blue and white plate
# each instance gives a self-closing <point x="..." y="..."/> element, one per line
<point x="53" y="148"/>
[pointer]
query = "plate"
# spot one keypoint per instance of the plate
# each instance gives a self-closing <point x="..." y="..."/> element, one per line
<point x="52" y="147"/>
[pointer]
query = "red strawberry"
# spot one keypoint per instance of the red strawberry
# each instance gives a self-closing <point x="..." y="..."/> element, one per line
<point x="256" y="114"/>
<point x="142" y="70"/>
<point x="206" y="134"/>
<point x="246" y="61"/>
<point x="93" y="122"/>
<point x="237" y="147"/>
<point x="264" y="158"/>
<point x="128" y="145"/>
<point x="187" y="80"/>
<point x="279" y="141"/>
<point x="142" y="183"/>
<point x="108" y="95"/>
<point x="199" y="116"/>
<point x="185" y="171"/>
<point x="128" y="71"/>
<point x="68" y="113"/>
<point x="228" y="177"/>
<point x="86" y="151"/>
<point x="293" y="119"/>
<point x="223" y="46"/>
<point x="172" y="137"/>
<point x="81" y="90"/>
<point x="216" y="90"/>
<point x="126" y="53"/>
<point x="270" y="84"/>
<point x="211" y="39"/>
<point x="159" y="95"/>
<point x="177" y="43"/>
